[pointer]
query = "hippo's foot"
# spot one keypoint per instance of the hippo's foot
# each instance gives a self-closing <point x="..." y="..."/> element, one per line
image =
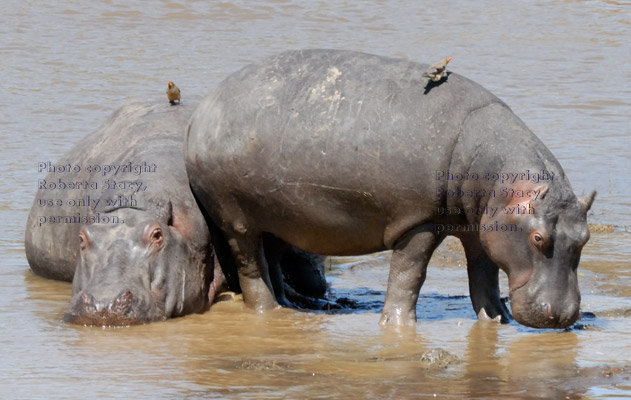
<point x="490" y="307"/>
<point x="494" y="312"/>
<point x="286" y="298"/>
<point x="484" y="287"/>
<point x="483" y="316"/>
<point x="229" y="297"/>
<point x="257" y="295"/>
<point x="408" y="266"/>
<point x="398" y="318"/>
<point x="252" y="270"/>
<point x="300" y="301"/>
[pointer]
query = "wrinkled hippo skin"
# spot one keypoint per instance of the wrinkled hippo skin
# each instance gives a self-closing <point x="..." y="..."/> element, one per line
<point x="156" y="260"/>
<point x="340" y="153"/>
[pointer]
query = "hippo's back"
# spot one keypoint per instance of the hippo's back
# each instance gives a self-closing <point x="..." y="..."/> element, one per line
<point x="336" y="108"/>
<point x="362" y="131"/>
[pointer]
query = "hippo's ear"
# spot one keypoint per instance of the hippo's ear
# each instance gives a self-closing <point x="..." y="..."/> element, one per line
<point x="180" y="221"/>
<point x="526" y="196"/>
<point x="537" y="194"/>
<point x="585" y="202"/>
<point x="170" y="213"/>
<point x="540" y="193"/>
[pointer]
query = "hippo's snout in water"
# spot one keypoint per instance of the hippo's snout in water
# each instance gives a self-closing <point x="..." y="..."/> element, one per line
<point x="144" y="263"/>
<point x="86" y="310"/>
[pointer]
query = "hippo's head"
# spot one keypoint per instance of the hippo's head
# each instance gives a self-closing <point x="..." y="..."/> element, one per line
<point x="537" y="240"/>
<point x="148" y="268"/>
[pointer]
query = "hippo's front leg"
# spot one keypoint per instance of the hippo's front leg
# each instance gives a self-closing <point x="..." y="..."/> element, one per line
<point x="408" y="268"/>
<point x="252" y="270"/>
<point x="484" y="283"/>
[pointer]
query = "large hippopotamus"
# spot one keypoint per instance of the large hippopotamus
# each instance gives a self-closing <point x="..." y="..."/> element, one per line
<point x="345" y="153"/>
<point x="117" y="217"/>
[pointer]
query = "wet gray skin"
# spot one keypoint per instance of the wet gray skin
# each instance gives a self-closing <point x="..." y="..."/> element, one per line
<point x="344" y="153"/>
<point x="159" y="259"/>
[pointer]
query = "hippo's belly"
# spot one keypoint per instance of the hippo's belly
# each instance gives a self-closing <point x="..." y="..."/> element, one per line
<point x="322" y="219"/>
<point x="336" y="214"/>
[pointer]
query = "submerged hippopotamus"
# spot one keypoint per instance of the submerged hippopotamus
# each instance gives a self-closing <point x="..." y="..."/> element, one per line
<point x="116" y="216"/>
<point x="344" y="153"/>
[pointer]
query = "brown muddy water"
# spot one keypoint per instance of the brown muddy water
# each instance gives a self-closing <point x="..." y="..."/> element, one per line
<point x="563" y="66"/>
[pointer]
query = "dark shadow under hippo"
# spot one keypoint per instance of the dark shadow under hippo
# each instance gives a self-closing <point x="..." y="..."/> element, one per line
<point x="117" y="217"/>
<point x="345" y="153"/>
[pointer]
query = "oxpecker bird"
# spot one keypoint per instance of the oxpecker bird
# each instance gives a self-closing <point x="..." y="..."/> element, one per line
<point x="173" y="93"/>
<point x="437" y="70"/>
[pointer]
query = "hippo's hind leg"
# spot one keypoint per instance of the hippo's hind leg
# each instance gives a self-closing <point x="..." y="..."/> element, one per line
<point x="407" y="273"/>
<point x="274" y="251"/>
<point x="484" y="283"/>
<point x="252" y="269"/>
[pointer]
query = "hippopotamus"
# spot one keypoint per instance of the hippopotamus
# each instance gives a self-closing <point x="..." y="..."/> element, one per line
<point x="117" y="217"/>
<point x="345" y="153"/>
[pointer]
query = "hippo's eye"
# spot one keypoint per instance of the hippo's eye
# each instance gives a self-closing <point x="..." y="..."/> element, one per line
<point x="156" y="235"/>
<point x="156" y="239"/>
<point x="83" y="240"/>
<point x="153" y="236"/>
<point x="540" y="241"/>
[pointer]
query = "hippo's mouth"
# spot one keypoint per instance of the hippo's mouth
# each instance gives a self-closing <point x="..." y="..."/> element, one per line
<point x="123" y="311"/>
<point x="542" y="315"/>
<point x="102" y="319"/>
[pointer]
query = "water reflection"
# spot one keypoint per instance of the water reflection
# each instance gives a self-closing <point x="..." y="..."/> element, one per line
<point x="536" y="363"/>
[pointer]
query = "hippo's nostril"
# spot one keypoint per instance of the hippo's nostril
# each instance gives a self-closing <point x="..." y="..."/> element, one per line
<point x="122" y="304"/>
<point x="86" y="302"/>
<point x="85" y="299"/>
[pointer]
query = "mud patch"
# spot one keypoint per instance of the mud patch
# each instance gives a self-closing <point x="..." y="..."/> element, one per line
<point x="616" y="313"/>
<point x="432" y="359"/>
<point x="439" y="358"/>
<point x="262" y="365"/>
<point x="601" y="228"/>
<point x="610" y="376"/>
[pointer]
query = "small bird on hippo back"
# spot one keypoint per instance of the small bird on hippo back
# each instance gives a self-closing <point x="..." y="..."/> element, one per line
<point x="173" y="94"/>
<point x="437" y="71"/>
